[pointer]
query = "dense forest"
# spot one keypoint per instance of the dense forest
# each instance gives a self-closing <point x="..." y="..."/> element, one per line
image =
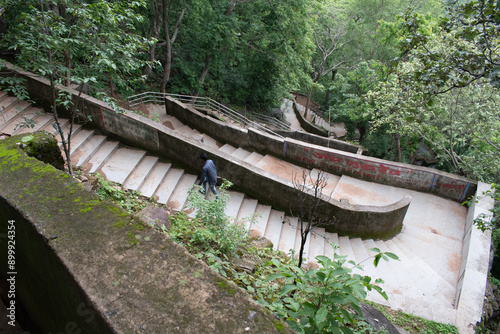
<point x="400" y="72"/>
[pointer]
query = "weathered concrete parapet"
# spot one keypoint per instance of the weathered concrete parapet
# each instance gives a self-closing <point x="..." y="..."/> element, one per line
<point x="382" y="171"/>
<point x="85" y="266"/>
<point x="471" y="285"/>
<point x="309" y="127"/>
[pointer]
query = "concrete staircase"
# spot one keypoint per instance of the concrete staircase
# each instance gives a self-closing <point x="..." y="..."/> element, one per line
<point x="337" y="129"/>
<point x="423" y="282"/>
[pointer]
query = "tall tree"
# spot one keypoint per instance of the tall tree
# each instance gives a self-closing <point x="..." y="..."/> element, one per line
<point x="451" y="105"/>
<point x="78" y="41"/>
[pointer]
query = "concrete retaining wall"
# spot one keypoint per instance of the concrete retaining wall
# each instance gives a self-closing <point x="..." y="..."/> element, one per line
<point x="309" y="127"/>
<point x="85" y="266"/>
<point x="321" y="141"/>
<point x="332" y="160"/>
<point x="344" y="218"/>
<point x="471" y="285"/>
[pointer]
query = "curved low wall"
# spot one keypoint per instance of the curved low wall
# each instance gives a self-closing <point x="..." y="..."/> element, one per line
<point x="344" y="218"/>
<point x="309" y="127"/>
<point x="335" y="161"/>
<point x="321" y="141"/>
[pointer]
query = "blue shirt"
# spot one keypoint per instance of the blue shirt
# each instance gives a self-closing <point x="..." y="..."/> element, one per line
<point x="209" y="171"/>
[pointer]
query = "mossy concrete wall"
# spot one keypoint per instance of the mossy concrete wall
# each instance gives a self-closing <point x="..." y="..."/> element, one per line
<point x="85" y="266"/>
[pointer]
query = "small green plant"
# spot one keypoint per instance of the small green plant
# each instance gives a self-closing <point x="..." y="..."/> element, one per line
<point x="130" y="200"/>
<point x="15" y="86"/>
<point x="155" y="117"/>
<point x="483" y="221"/>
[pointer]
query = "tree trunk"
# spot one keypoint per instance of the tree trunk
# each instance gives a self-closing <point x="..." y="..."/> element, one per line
<point x="168" y="40"/>
<point x="156" y="23"/>
<point x="398" y="146"/>
<point x="327" y="95"/>
<point x="204" y="73"/>
<point x="231" y="7"/>
<point x="111" y="89"/>
<point x="301" y="252"/>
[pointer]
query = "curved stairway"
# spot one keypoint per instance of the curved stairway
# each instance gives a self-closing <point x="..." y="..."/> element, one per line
<point x="423" y="282"/>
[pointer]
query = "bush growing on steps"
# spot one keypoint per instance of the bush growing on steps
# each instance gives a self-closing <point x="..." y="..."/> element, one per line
<point x="211" y="230"/>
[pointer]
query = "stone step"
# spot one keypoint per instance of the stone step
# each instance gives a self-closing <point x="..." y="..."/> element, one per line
<point x="136" y="179"/>
<point x="209" y="141"/>
<point x="167" y="187"/>
<point x="186" y="130"/>
<point x="40" y="122"/>
<point x="233" y="204"/>
<point x="14" y="110"/>
<point x="262" y="215"/>
<point x="66" y="128"/>
<point x="437" y="251"/>
<point x="360" y="252"/>
<point x="254" y="158"/>
<point x="288" y="234"/>
<point x="331" y="181"/>
<point x="84" y="152"/>
<point x="3" y="95"/>
<point x="179" y="196"/>
<point x="49" y="127"/>
<point x="316" y="244"/>
<point x="281" y="168"/>
<point x="396" y="283"/>
<point x="419" y="287"/>
<point x="227" y="149"/>
<point x="345" y="248"/>
<point x="121" y="163"/>
<point x="154" y="179"/>
<point x="364" y="260"/>
<point x="100" y="156"/>
<point x="425" y="278"/>
<point x="14" y="122"/>
<point x="246" y="212"/>
<point x="8" y="102"/>
<point x="80" y="139"/>
<point x="330" y="238"/>
<point x="241" y="153"/>
<point x="171" y="122"/>
<point x="273" y="228"/>
<point x="298" y="240"/>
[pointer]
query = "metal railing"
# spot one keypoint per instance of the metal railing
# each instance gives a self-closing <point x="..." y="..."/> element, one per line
<point x="208" y="103"/>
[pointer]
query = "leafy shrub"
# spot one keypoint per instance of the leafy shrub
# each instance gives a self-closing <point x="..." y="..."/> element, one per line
<point x="322" y="300"/>
<point x="211" y="230"/>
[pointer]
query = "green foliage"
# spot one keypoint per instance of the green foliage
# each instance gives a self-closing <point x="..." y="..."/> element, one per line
<point x="414" y="324"/>
<point x="15" y="86"/>
<point x="488" y="221"/>
<point x="211" y="230"/>
<point x="79" y="42"/>
<point x="322" y="300"/>
<point x="129" y="200"/>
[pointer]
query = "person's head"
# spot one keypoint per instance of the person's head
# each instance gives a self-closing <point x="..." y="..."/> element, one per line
<point x="203" y="156"/>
